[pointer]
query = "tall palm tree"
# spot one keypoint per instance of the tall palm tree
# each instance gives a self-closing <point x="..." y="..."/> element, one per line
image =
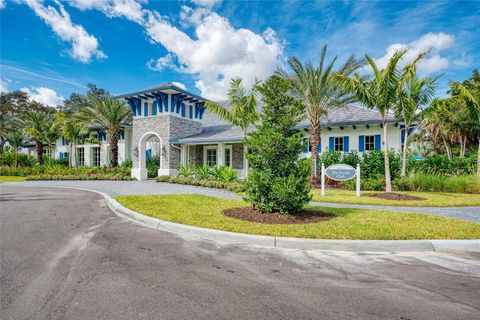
<point x="469" y="93"/>
<point x="242" y="112"/>
<point x="72" y="130"/>
<point x="380" y="93"/>
<point x="414" y="94"/>
<point x="109" y="114"/>
<point x="35" y="124"/>
<point x="318" y="92"/>
<point x="243" y="105"/>
<point x="16" y="140"/>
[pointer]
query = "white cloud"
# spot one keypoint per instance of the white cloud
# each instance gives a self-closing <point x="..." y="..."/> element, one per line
<point x="463" y="61"/>
<point x="219" y="52"/>
<point x="4" y="85"/>
<point x="130" y="9"/>
<point x="433" y="62"/>
<point x="180" y="85"/>
<point x="84" y="45"/>
<point x="161" y="63"/>
<point x="206" y="3"/>
<point x="44" y="96"/>
<point x="3" y="4"/>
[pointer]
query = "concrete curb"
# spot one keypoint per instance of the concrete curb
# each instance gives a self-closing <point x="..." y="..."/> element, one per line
<point x="393" y="246"/>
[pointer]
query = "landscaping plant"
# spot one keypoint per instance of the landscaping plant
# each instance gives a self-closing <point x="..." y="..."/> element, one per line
<point x="278" y="180"/>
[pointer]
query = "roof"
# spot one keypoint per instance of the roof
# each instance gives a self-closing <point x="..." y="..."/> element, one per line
<point x="167" y="86"/>
<point x="217" y="130"/>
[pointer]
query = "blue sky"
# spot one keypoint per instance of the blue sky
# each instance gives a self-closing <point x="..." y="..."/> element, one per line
<point x="52" y="49"/>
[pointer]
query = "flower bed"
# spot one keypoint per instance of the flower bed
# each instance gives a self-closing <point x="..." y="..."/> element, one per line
<point x="231" y="186"/>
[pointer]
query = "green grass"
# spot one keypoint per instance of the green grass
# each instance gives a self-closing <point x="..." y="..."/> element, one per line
<point x="11" y="179"/>
<point x="207" y="212"/>
<point x="432" y="199"/>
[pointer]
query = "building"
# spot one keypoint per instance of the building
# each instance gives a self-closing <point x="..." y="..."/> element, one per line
<point x="173" y="123"/>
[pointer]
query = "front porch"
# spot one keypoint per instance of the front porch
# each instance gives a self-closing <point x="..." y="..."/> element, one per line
<point x="215" y="154"/>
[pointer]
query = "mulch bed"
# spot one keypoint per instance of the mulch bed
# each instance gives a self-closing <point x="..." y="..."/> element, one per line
<point x="396" y="196"/>
<point x="253" y="215"/>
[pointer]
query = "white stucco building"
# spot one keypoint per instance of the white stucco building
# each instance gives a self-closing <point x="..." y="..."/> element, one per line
<point x="173" y="123"/>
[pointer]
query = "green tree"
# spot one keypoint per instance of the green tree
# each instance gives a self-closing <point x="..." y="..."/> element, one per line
<point x="16" y="139"/>
<point x="414" y="95"/>
<point x="319" y="94"/>
<point x="438" y="123"/>
<point x="278" y="180"/>
<point x="74" y="131"/>
<point x="468" y="92"/>
<point x="380" y="93"/>
<point x="35" y="124"/>
<point x="12" y="104"/>
<point x="109" y="114"/>
<point x="52" y="134"/>
<point x="77" y="101"/>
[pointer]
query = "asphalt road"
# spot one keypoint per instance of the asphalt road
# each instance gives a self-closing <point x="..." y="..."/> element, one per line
<point x="65" y="255"/>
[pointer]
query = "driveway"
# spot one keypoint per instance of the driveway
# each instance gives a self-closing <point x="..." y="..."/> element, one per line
<point x="64" y="255"/>
<point x="116" y="188"/>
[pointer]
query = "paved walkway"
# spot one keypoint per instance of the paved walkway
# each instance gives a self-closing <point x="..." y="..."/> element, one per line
<point x="117" y="188"/>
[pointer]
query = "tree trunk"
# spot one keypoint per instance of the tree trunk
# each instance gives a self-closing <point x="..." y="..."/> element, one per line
<point x="388" y="179"/>
<point x="404" y="152"/>
<point x="16" y="158"/>
<point x="448" y="149"/>
<point x="39" y="149"/>
<point x="2" y="144"/>
<point x="74" y="155"/>
<point x="314" y="132"/>
<point x="114" y="148"/>
<point x="463" y="146"/>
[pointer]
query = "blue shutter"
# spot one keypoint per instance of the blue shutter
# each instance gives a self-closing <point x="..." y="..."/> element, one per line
<point x="346" y="144"/>
<point x="331" y="144"/>
<point x="60" y="155"/>
<point x="191" y="112"/>
<point x="145" y="109"/>
<point x="138" y="103"/>
<point x="319" y="148"/>
<point x="378" y="140"/>
<point x="154" y="108"/>
<point x="183" y="110"/>
<point x="361" y="143"/>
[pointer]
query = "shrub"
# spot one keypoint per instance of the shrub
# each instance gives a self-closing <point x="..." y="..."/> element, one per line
<point x="162" y="179"/>
<point x="203" y="171"/>
<point x="231" y="186"/>
<point x="373" y="164"/>
<point x="374" y="183"/>
<point x="127" y="164"/>
<point x="61" y="170"/>
<point x="401" y="184"/>
<point x="278" y="179"/>
<point x="8" y="159"/>
<point x="153" y="164"/>
<point x="440" y="183"/>
<point x="224" y="173"/>
<point x="186" y="170"/>
<point x="329" y="157"/>
<point x="440" y="164"/>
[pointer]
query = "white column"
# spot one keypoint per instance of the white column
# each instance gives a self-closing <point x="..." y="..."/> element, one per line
<point x="358" y="181"/>
<point x="183" y="154"/>
<point x="323" y="179"/>
<point x="221" y="154"/>
<point x="87" y="155"/>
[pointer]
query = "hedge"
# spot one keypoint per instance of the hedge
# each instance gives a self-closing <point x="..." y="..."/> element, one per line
<point x="231" y="186"/>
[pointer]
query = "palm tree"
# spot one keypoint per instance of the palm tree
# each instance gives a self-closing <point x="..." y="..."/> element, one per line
<point x="438" y="123"/>
<point x="319" y="93"/>
<point x="469" y="93"/>
<point x="414" y="94"/>
<point x="16" y="140"/>
<point x="35" y="124"/>
<point x="243" y="107"/>
<point x="72" y="130"/>
<point x="380" y="93"/>
<point x="52" y="134"/>
<point x="109" y="114"/>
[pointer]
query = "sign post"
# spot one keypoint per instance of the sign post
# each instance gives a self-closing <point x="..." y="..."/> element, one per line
<point x="323" y="179"/>
<point x="341" y="172"/>
<point x="358" y="180"/>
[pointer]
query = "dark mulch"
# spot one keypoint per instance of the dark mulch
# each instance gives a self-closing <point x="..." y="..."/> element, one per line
<point x="395" y="196"/>
<point x="253" y="215"/>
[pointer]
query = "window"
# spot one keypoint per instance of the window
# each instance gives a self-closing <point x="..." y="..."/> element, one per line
<point x="66" y="155"/>
<point x="369" y="143"/>
<point x="228" y="156"/>
<point x="211" y="156"/>
<point x="96" y="156"/>
<point x="338" y="144"/>
<point x="81" y="156"/>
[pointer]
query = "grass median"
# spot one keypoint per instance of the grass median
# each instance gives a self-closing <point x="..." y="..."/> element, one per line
<point x="207" y="212"/>
<point x="429" y="199"/>
<point x="11" y="179"/>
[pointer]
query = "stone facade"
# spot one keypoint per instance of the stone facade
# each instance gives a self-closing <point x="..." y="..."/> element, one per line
<point x="237" y="156"/>
<point x="167" y="127"/>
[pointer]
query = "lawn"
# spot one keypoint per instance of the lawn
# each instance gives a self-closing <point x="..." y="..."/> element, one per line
<point x="432" y="199"/>
<point x="207" y="212"/>
<point x="11" y="179"/>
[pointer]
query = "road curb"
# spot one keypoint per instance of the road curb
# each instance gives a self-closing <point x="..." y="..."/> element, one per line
<point x="393" y="246"/>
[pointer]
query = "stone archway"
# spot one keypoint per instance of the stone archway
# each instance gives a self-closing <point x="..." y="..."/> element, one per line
<point x="141" y="173"/>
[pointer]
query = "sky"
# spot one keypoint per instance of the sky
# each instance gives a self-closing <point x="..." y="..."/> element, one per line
<point x="53" y="48"/>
